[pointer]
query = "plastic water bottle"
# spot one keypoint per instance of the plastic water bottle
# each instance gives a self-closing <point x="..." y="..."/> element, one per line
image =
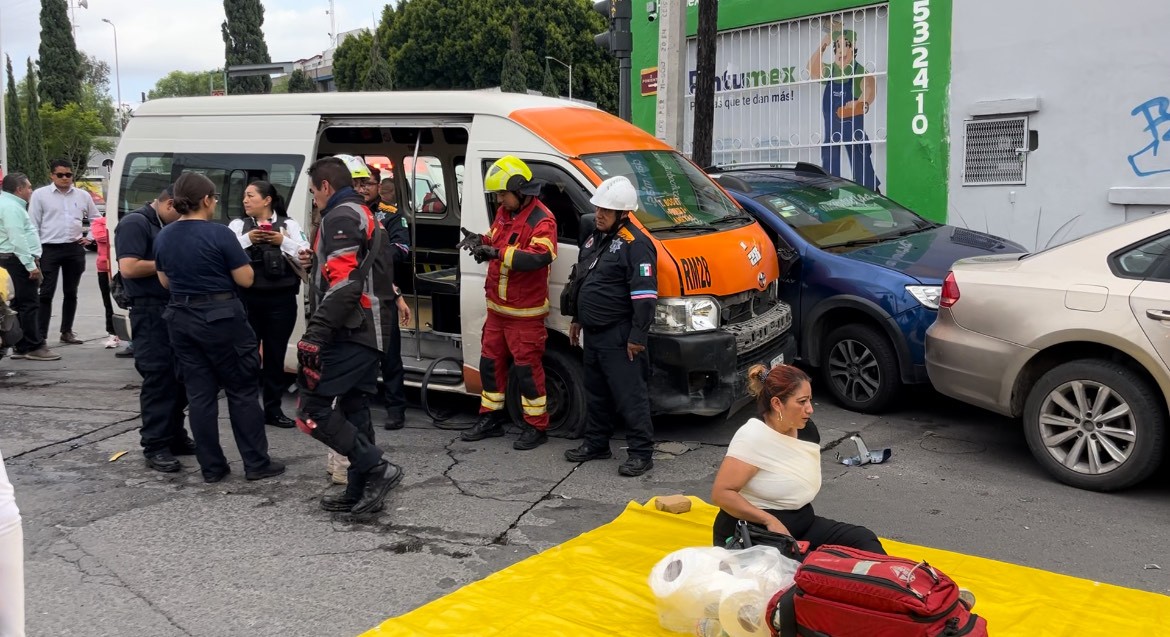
<point x="707" y="627"/>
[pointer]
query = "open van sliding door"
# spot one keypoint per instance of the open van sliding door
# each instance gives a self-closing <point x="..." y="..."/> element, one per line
<point x="231" y="150"/>
<point x="441" y="144"/>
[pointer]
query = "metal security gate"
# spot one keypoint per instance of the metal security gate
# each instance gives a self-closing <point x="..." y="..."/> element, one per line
<point x="812" y="89"/>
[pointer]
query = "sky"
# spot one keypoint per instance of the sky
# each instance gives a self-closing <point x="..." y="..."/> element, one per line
<point x="156" y="37"/>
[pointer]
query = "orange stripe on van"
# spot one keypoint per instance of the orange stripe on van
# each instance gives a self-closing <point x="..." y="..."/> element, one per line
<point x="584" y="131"/>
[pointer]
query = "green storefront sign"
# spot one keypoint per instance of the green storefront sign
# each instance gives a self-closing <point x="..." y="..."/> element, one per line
<point x="916" y="58"/>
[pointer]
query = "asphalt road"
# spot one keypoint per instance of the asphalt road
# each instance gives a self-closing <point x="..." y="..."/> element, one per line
<point x="115" y="549"/>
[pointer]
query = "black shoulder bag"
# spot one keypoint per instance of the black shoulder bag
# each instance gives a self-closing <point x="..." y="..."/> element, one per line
<point x="573" y="285"/>
<point x="748" y="535"/>
<point x="118" y="291"/>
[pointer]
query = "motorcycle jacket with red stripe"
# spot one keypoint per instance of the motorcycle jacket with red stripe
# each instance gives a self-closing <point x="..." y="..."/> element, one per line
<point x="345" y="306"/>
<point x="517" y="281"/>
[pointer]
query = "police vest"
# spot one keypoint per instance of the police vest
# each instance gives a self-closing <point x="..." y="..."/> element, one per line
<point x="269" y="263"/>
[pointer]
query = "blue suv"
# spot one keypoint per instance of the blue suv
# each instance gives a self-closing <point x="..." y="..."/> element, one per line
<point x="863" y="275"/>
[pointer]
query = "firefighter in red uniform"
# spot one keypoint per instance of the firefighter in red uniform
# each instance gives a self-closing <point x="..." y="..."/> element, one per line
<point x="519" y="249"/>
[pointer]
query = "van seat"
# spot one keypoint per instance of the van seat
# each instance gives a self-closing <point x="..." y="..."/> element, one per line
<point x="445" y="281"/>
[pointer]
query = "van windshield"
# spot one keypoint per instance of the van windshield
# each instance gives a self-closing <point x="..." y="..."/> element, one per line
<point x="671" y="191"/>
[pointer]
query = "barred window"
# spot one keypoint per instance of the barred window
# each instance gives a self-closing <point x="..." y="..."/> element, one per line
<point x="994" y="151"/>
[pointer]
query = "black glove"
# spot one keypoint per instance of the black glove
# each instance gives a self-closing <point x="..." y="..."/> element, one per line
<point x="309" y="357"/>
<point x="470" y="240"/>
<point x="485" y="253"/>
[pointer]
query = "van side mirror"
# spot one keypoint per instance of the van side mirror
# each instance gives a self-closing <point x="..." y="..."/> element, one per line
<point x="588" y="227"/>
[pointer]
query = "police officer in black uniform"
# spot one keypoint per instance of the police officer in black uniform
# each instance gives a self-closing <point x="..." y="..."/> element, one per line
<point x="202" y="264"/>
<point x="273" y="242"/>
<point x="616" y="297"/>
<point x="162" y="397"/>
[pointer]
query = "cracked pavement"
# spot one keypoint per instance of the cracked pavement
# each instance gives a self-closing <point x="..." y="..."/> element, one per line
<point x="113" y="548"/>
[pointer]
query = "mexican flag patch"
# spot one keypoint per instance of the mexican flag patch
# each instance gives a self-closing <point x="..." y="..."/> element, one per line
<point x="645" y="270"/>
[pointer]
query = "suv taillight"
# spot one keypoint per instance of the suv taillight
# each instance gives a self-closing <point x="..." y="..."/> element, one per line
<point x="950" y="291"/>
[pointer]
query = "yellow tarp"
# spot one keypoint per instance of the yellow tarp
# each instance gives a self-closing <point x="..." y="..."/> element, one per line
<point x="596" y="584"/>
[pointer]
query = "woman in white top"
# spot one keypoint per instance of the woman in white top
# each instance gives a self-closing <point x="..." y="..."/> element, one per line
<point x="11" y="561"/>
<point x="274" y="242"/>
<point x="770" y="477"/>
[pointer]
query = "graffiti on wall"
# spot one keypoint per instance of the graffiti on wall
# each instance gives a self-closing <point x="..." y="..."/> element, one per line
<point x="1156" y="114"/>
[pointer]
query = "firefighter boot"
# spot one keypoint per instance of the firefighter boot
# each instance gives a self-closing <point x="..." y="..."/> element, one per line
<point x="489" y="425"/>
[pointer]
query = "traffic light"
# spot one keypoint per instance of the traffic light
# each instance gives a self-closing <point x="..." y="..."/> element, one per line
<point x="617" y="40"/>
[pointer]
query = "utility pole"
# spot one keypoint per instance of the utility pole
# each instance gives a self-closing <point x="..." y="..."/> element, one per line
<point x="332" y="24"/>
<point x="703" y="136"/>
<point x="73" y="4"/>
<point x="117" y="74"/>
<point x="670" y="120"/>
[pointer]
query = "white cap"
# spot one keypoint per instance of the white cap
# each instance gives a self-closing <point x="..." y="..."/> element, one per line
<point x="616" y="193"/>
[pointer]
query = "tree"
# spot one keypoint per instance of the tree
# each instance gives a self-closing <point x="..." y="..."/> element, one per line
<point x="300" y="82"/>
<point x="95" y="92"/>
<point x="37" y="168"/>
<point x="60" y="63"/>
<point x="549" y="87"/>
<point x="243" y="39"/>
<point x="350" y="59"/>
<point x="377" y="76"/>
<point x="72" y="132"/>
<point x="513" y="76"/>
<point x="183" y="84"/>
<point x="705" y="83"/>
<point x="17" y="140"/>
<point x="461" y="44"/>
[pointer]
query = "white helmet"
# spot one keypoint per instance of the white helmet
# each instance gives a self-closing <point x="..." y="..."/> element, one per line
<point x="616" y="193"/>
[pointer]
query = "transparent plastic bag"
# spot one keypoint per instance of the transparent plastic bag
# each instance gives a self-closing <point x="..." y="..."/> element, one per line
<point x="697" y="586"/>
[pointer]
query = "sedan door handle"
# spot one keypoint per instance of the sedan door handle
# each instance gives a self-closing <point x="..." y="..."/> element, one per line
<point x="1158" y="315"/>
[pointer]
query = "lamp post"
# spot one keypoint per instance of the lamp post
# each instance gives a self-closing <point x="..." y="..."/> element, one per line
<point x="568" y="66"/>
<point x="117" y="72"/>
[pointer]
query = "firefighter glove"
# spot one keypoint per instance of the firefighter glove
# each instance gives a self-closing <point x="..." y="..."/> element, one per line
<point x="485" y="253"/>
<point x="470" y="240"/>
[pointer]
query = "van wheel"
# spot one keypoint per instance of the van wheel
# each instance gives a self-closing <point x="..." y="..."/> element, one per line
<point x="1096" y="425"/>
<point x="860" y="368"/>
<point x="564" y="383"/>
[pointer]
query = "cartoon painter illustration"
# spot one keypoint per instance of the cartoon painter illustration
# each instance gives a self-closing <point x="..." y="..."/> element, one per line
<point x="847" y="97"/>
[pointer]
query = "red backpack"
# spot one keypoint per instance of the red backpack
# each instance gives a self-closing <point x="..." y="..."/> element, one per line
<point x="846" y="592"/>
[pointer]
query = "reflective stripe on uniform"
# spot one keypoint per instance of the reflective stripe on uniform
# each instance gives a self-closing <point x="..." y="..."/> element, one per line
<point x="490" y="400"/>
<point x="509" y="253"/>
<point x="502" y="285"/>
<point x="544" y="241"/>
<point x="534" y="406"/>
<point x="517" y="311"/>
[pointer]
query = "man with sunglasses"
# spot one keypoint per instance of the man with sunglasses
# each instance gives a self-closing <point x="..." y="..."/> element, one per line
<point x="848" y="95"/>
<point x="58" y="211"/>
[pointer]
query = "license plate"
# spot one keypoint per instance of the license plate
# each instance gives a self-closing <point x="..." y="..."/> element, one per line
<point x="779" y="360"/>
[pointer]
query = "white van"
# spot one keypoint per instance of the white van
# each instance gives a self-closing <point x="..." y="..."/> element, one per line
<point x="718" y="308"/>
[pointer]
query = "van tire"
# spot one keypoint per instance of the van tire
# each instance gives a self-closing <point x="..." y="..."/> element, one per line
<point x="866" y="348"/>
<point x="564" y="383"/>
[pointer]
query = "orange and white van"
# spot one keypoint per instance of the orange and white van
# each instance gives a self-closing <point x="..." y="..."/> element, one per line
<point x="718" y="311"/>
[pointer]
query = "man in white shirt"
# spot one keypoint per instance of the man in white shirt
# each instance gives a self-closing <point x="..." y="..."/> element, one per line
<point x="59" y="211"/>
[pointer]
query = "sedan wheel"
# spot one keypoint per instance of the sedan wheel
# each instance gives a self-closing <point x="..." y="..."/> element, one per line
<point x="1086" y="427"/>
<point x="1095" y="424"/>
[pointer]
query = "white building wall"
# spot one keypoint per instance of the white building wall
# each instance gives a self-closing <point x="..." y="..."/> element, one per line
<point x="1090" y="64"/>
